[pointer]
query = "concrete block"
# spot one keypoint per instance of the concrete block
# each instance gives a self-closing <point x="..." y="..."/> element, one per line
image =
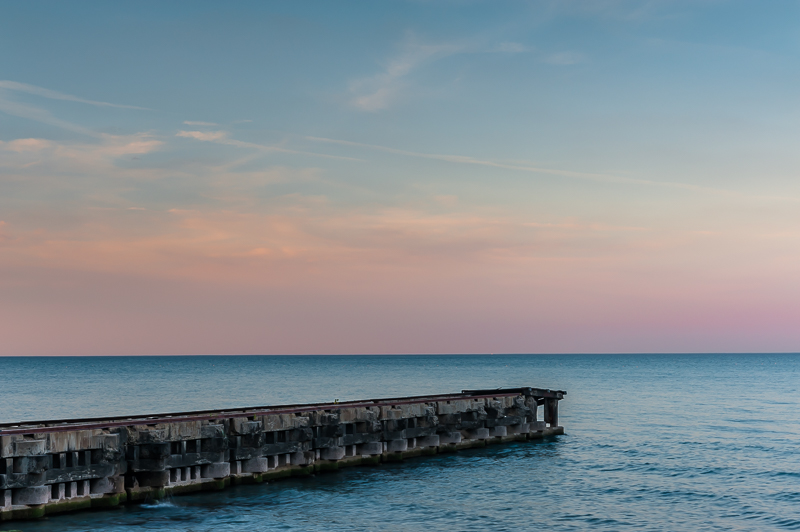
<point x="449" y="437"/>
<point x="271" y="423"/>
<point x="30" y="447"/>
<point x="287" y="421"/>
<point x="72" y="441"/>
<point x="218" y="470"/>
<point x="26" y="465"/>
<point x="409" y="411"/>
<point x="428" y="441"/>
<point x="461" y="405"/>
<point x="538" y="425"/>
<point x="109" y="442"/>
<point x="302" y="458"/>
<point x="5" y="499"/>
<point x="348" y="415"/>
<point x="30" y="496"/>
<point x="212" y="431"/>
<point x="396" y="446"/>
<point x="367" y="414"/>
<point x="256" y="465"/>
<point x="478" y="434"/>
<point x="522" y="428"/>
<point x="494" y="403"/>
<point x="370" y="448"/>
<point x="7" y="445"/>
<point x="183" y="430"/>
<point x="498" y="431"/>
<point x="332" y="453"/>
<point x="387" y="412"/>
<point x="145" y="434"/>
<point x="445" y="408"/>
<point x="243" y="425"/>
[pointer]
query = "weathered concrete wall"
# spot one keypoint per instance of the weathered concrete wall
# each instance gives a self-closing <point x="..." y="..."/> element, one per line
<point x="57" y="466"/>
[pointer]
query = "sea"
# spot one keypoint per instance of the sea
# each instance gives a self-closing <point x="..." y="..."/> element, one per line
<point x="653" y="442"/>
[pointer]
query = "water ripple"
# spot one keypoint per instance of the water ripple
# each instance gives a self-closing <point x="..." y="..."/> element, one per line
<point x="653" y="443"/>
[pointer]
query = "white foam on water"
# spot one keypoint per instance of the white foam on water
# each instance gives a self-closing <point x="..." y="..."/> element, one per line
<point x="160" y="504"/>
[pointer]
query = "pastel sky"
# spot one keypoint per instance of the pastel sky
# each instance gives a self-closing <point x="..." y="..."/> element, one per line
<point x="399" y="177"/>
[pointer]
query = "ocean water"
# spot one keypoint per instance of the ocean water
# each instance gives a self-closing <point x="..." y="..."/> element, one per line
<point x="653" y="442"/>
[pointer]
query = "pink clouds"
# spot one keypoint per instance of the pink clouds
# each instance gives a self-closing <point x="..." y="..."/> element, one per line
<point x="203" y="135"/>
<point x="275" y="258"/>
<point x="25" y="145"/>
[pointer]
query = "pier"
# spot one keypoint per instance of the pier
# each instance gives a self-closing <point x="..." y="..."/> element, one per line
<point x="56" y="466"/>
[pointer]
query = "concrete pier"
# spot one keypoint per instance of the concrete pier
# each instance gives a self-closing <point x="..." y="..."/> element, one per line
<point x="49" y="467"/>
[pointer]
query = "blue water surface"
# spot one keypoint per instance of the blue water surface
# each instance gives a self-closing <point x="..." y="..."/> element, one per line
<point x="653" y="442"/>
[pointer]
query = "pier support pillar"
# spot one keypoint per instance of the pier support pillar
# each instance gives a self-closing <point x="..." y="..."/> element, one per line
<point x="498" y="431"/>
<point x="428" y="441"/>
<point x="218" y="470"/>
<point x="332" y="453"/>
<point x="256" y="465"/>
<point x="31" y="496"/>
<point x="397" y="446"/>
<point x="449" y="437"/>
<point x="369" y="449"/>
<point x="551" y="412"/>
<point x="522" y="428"/>
<point x="478" y="434"/>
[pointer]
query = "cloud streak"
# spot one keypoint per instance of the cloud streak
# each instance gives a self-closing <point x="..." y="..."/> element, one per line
<point x="221" y="137"/>
<point x="40" y="115"/>
<point x="592" y="176"/>
<point x="43" y="116"/>
<point x="377" y="92"/>
<point x="55" y="95"/>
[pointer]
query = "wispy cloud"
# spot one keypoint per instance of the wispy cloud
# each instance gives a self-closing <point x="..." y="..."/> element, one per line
<point x="55" y="95"/>
<point x="194" y="123"/>
<point x="592" y="176"/>
<point x="40" y="115"/>
<point x="379" y="91"/>
<point x="208" y="136"/>
<point x="80" y="158"/>
<point x="221" y="137"/>
<point x="25" y="145"/>
<point x="31" y="112"/>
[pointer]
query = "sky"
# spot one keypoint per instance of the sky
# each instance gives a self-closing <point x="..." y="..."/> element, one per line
<point x="399" y="177"/>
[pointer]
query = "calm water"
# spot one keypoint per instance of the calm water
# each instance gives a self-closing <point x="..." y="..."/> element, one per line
<point x="654" y="442"/>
